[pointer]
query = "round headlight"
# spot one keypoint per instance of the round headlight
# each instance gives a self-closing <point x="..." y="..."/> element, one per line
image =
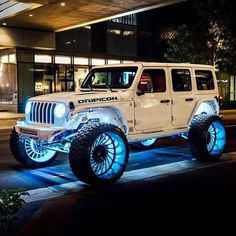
<point x="60" y="110"/>
<point x="28" y="108"/>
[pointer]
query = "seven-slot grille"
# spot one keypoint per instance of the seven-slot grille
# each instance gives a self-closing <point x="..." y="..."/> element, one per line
<point x="42" y="112"/>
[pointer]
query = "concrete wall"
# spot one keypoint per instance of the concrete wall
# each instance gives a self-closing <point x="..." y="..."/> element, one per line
<point x="13" y="37"/>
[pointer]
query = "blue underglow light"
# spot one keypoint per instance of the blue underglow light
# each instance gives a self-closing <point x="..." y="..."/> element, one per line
<point x="148" y="142"/>
<point x="216" y="138"/>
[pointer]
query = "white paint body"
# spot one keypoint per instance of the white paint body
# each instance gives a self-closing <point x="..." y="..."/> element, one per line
<point x="140" y="117"/>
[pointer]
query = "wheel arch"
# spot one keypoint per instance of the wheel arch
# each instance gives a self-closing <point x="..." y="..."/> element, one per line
<point x="206" y="106"/>
<point x="106" y="114"/>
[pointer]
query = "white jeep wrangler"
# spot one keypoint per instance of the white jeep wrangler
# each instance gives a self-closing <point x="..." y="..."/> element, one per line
<point x="120" y="104"/>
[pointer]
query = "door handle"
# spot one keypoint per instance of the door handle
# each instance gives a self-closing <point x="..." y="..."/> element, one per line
<point x="165" y="101"/>
<point x="188" y="99"/>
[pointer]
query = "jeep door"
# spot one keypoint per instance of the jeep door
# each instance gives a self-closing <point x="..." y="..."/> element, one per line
<point x="183" y="98"/>
<point x="152" y="100"/>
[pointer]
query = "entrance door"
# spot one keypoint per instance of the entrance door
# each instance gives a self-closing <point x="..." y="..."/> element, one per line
<point x="182" y="96"/>
<point x="64" y="78"/>
<point x="152" y="102"/>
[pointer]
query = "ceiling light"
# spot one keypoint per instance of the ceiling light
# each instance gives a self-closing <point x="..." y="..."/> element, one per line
<point x="62" y="4"/>
<point x="4" y="23"/>
<point x="31" y="15"/>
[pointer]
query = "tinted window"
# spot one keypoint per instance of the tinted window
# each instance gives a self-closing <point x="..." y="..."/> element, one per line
<point x="153" y="81"/>
<point x="204" y="80"/>
<point x="181" y="80"/>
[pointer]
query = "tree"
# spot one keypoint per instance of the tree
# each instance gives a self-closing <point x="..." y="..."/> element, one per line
<point x="208" y="39"/>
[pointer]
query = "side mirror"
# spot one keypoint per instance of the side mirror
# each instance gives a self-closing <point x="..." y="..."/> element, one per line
<point x="141" y="90"/>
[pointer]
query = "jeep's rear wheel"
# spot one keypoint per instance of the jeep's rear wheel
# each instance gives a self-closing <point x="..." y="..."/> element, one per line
<point x="99" y="154"/>
<point x="144" y="145"/>
<point x="28" y="152"/>
<point x="207" y="137"/>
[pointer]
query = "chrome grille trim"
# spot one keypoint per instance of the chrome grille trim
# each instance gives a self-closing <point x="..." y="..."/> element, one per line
<point x="42" y="112"/>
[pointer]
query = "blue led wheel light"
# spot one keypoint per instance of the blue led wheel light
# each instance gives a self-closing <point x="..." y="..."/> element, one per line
<point x="107" y="155"/>
<point x="216" y="138"/>
<point x="148" y="142"/>
<point x="37" y="153"/>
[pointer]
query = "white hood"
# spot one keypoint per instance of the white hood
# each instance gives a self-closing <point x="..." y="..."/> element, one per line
<point x="80" y="98"/>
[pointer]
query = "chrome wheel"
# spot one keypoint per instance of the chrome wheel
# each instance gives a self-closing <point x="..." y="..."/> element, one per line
<point x="37" y="153"/>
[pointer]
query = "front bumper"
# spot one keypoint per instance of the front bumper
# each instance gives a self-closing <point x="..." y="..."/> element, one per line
<point x="43" y="133"/>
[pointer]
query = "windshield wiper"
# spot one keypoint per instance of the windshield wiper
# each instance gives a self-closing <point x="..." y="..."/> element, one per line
<point x="109" y="88"/>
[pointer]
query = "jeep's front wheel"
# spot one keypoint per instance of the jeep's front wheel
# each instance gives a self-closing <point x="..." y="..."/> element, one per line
<point x="99" y="154"/>
<point x="207" y="137"/>
<point x="28" y="152"/>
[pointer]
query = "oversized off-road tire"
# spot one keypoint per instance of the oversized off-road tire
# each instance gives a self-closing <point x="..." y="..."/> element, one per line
<point x="144" y="145"/>
<point x="99" y="154"/>
<point x="207" y="137"/>
<point x="26" y="151"/>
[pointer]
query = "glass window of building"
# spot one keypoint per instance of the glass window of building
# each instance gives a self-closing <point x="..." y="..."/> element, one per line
<point x="114" y="39"/>
<point x="80" y="73"/>
<point x="232" y="88"/>
<point x="43" y="79"/>
<point x="82" y="39"/>
<point x="8" y="79"/>
<point x="64" y="78"/>
<point x="65" y="41"/>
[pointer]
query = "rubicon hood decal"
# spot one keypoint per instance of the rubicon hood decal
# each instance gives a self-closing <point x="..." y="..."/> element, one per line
<point x="90" y="100"/>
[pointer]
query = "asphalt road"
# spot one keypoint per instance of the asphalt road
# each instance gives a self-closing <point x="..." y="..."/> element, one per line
<point x="163" y="191"/>
<point x="15" y="175"/>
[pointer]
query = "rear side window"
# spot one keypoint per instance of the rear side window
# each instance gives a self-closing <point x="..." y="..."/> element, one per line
<point x="204" y="79"/>
<point x="181" y="80"/>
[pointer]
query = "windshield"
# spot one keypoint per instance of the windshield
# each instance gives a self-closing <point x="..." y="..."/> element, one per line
<point x="115" y="77"/>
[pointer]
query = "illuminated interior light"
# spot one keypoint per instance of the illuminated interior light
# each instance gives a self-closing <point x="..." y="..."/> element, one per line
<point x="62" y="4"/>
<point x="4" y="59"/>
<point x="81" y="61"/>
<point x="12" y="58"/>
<point x="43" y="58"/>
<point x="31" y="15"/>
<point x="4" y="23"/>
<point x="110" y="62"/>
<point x="98" y="61"/>
<point x="10" y="8"/>
<point x="62" y="60"/>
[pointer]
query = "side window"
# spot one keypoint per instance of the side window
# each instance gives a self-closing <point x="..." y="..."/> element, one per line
<point x="153" y="81"/>
<point x="181" y="80"/>
<point x="204" y="79"/>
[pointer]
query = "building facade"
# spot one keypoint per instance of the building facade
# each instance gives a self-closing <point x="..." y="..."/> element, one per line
<point x="37" y="66"/>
